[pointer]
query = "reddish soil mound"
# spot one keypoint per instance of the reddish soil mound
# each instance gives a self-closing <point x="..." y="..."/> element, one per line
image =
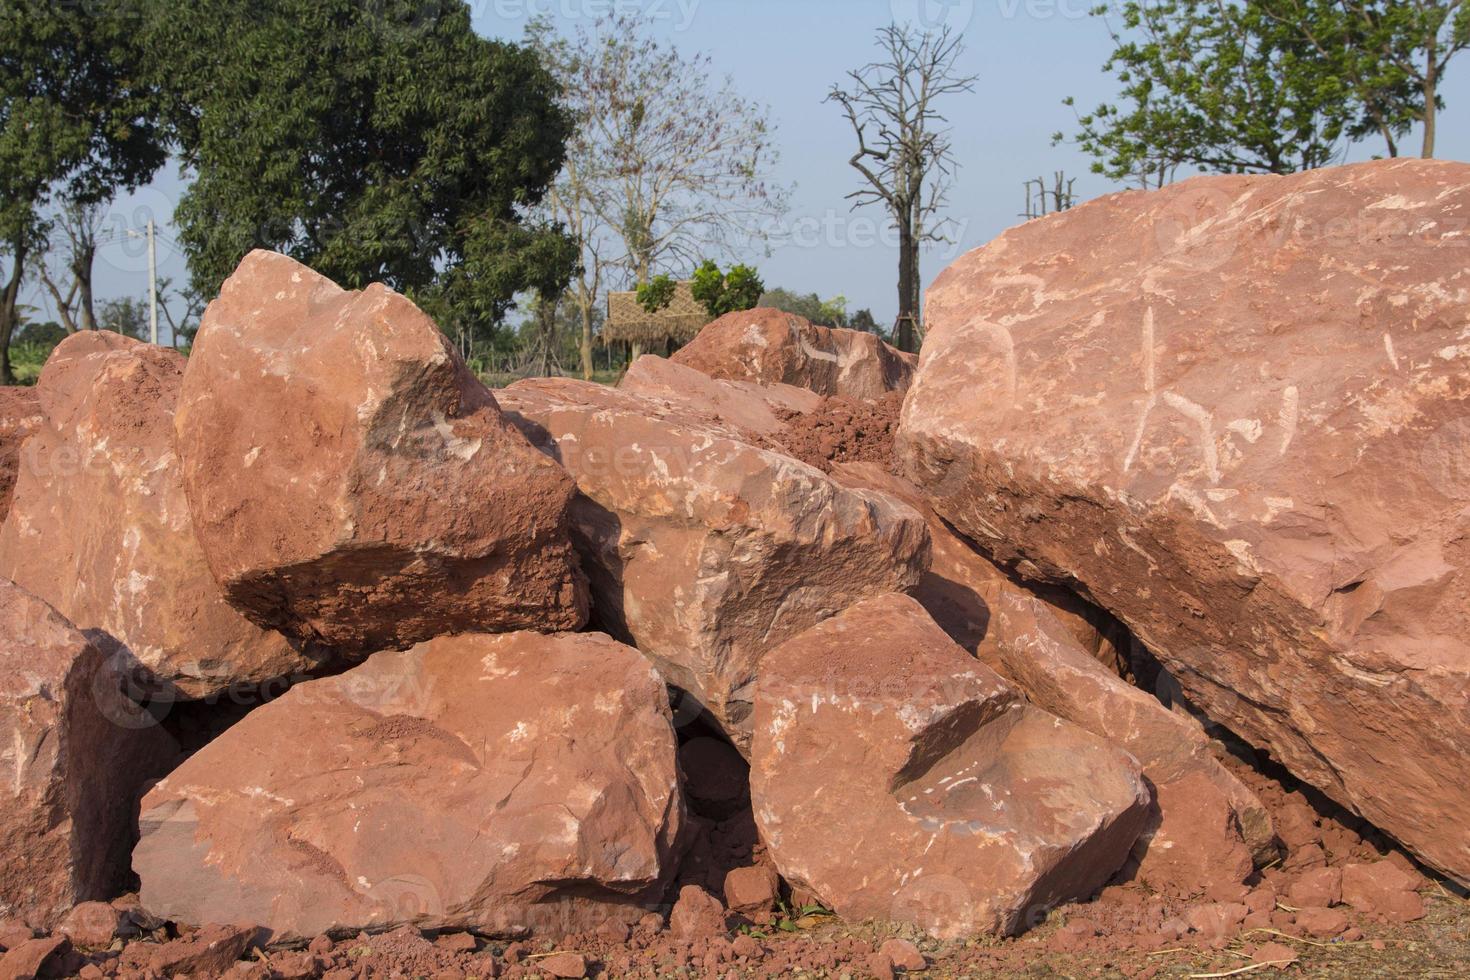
<point x="843" y="430"/>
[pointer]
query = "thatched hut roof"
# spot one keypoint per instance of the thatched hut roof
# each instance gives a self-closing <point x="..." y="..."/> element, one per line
<point x="681" y="320"/>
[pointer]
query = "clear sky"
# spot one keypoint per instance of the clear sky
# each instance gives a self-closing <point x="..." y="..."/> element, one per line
<point x="1028" y="54"/>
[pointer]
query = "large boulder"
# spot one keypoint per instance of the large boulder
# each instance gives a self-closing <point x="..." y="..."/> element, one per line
<point x="1043" y="643"/>
<point x="352" y="483"/>
<point x="769" y="346"/>
<point x="1234" y="413"/>
<point x="100" y="527"/>
<point x="704" y="549"/>
<point x="896" y="778"/>
<point x="76" y="756"/>
<point x="760" y="410"/>
<point x="20" y="415"/>
<point x="508" y="783"/>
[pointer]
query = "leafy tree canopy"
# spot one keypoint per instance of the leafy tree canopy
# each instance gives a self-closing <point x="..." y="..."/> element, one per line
<point x="657" y="293"/>
<point x="726" y="292"/>
<point x="381" y="141"/>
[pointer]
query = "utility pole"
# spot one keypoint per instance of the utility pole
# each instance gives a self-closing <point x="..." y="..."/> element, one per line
<point x="152" y="279"/>
<point x="152" y="285"/>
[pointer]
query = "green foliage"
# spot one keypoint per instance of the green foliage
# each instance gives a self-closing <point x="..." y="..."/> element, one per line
<point x="726" y="292"/>
<point x="47" y="334"/>
<point x="127" y="316"/>
<point x="863" y="320"/>
<point x="76" y="120"/>
<point x="381" y="141"/>
<point x="656" y="294"/>
<point x="826" y="313"/>
<point x="1268" y="86"/>
<point x="1217" y="85"/>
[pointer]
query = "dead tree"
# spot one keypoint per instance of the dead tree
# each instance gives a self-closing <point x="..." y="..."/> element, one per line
<point x="1041" y="201"/>
<point x="903" y="150"/>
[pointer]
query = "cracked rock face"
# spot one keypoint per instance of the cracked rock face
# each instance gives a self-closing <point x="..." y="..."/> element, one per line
<point x="100" y="526"/>
<point x="1035" y="644"/>
<point x="770" y="347"/>
<point x="352" y="483"/>
<point x="498" y="783"/>
<point x="77" y="756"/>
<point x="945" y="799"/>
<point x="20" y="415"/>
<point x="1234" y="413"/>
<point x="704" y="549"/>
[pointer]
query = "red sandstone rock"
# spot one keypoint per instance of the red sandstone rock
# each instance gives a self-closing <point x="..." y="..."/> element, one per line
<point x="93" y="924"/>
<point x="898" y="779"/>
<point x="1234" y="411"/>
<point x="31" y="959"/>
<point x="904" y="955"/>
<point x="20" y="415"/>
<point x="568" y="965"/>
<point x="1317" y="888"/>
<point x="697" y="914"/>
<point x="705" y="550"/>
<point x="752" y="890"/>
<point x="770" y="347"/>
<point x="495" y="783"/>
<point x="352" y="483"/>
<point x="100" y="527"/>
<point x="77" y="758"/>
<point x="752" y="408"/>
<point x="1383" y="889"/>
<point x="209" y="952"/>
<point x="1207" y="825"/>
<point x="1320" y="922"/>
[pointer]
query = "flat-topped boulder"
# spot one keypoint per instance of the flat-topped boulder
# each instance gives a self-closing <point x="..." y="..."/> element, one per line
<point x="507" y="784"/>
<point x="100" y="526"/>
<point x="352" y="484"/>
<point x="1234" y="413"/>
<point x="769" y="346"/>
<point x="705" y="550"/>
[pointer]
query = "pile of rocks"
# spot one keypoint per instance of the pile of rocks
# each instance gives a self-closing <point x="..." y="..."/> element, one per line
<point x="537" y="662"/>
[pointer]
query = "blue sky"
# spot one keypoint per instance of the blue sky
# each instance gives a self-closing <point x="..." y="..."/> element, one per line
<point x="1028" y="54"/>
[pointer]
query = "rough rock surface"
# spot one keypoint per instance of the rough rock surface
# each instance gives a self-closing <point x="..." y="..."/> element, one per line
<point x="76" y="757"/>
<point x="704" y="550"/>
<point x="945" y="800"/>
<point x="962" y="584"/>
<point x="769" y="346"/>
<point x="1206" y="828"/>
<point x="352" y="482"/>
<point x="500" y="783"/>
<point x="100" y="527"/>
<point x="753" y="408"/>
<point x="1234" y="412"/>
<point x="20" y="415"/>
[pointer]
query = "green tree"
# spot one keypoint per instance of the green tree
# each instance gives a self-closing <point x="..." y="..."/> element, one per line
<point x="1391" y="55"/>
<point x="78" y="122"/>
<point x="1217" y="85"/>
<point x="657" y="293"/>
<point x="125" y="315"/>
<point x="726" y="292"/>
<point x="825" y="313"/>
<point x="381" y="141"/>
<point x="863" y="320"/>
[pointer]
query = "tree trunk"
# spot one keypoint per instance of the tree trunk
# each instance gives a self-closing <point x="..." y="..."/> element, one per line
<point x="1431" y="92"/>
<point x="585" y="302"/>
<point x="908" y="254"/>
<point x="81" y="268"/>
<point x="9" y="307"/>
